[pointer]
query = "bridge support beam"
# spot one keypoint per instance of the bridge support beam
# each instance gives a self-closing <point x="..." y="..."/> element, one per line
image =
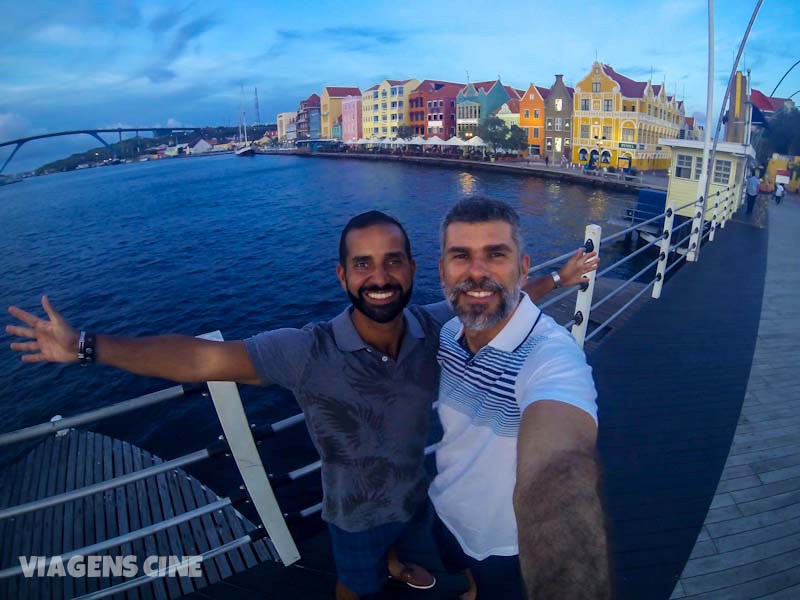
<point x="10" y="156"/>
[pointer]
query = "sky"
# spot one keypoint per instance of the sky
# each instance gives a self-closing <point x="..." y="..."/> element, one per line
<point x="111" y="63"/>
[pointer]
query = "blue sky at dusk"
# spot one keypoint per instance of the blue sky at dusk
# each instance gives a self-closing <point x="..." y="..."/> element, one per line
<point x="76" y="64"/>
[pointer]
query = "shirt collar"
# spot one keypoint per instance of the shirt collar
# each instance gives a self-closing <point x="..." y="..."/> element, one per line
<point x="347" y="337"/>
<point x="518" y="328"/>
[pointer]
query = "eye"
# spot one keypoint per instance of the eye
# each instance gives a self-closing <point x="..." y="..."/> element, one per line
<point x="361" y="264"/>
<point x="498" y="254"/>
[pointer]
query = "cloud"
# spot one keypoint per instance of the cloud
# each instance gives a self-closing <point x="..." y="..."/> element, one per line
<point x="348" y="38"/>
<point x="159" y="74"/>
<point x="171" y="122"/>
<point x="61" y="35"/>
<point x="636" y="71"/>
<point x="166" y="19"/>
<point x="187" y="33"/>
<point x="13" y="126"/>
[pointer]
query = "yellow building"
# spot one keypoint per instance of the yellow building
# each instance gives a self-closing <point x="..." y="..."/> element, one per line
<point x="618" y="121"/>
<point x="384" y="107"/>
<point x="331" y="107"/>
<point x="509" y="112"/>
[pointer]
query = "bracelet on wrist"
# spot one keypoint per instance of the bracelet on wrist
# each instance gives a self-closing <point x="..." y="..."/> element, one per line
<point x="556" y="279"/>
<point x="86" y="348"/>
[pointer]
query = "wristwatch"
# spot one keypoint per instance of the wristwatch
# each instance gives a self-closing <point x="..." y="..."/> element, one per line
<point x="86" y="349"/>
<point x="556" y="278"/>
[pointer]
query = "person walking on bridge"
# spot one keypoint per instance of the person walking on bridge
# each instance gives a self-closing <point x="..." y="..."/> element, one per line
<point x="366" y="381"/>
<point x="751" y="191"/>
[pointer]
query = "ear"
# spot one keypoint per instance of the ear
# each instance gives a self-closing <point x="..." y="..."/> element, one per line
<point x="342" y="276"/>
<point x="525" y="265"/>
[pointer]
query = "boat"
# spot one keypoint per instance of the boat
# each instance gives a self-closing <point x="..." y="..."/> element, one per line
<point x="246" y="148"/>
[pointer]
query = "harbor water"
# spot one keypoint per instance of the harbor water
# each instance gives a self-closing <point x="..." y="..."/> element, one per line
<point x="239" y="245"/>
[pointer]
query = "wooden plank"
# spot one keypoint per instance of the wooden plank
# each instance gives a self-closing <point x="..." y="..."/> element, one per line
<point x="36" y="533"/>
<point x="210" y="528"/>
<point x="67" y="541"/>
<point x="149" y="514"/>
<point x="198" y="528"/>
<point x="11" y="484"/>
<point x="131" y="497"/>
<point x="26" y="492"/>
<point x="99" y="503"/>
<point x="225" y="533"/>
<point x="238" y="531"/>
<point x="56" y="531"/>
<point x="121" y="509"/>
<point x="173" y="536"/>
<point x="109" y="505"/>
<point x="184" y="530"/>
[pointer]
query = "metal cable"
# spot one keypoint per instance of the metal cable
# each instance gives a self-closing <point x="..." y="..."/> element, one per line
<point x="673" y="265"/>
<point x="624" y="231"/>
<point x="630" y="256"/>
<point x="617" y="290"/>
<point x="551" y="262"/>
<point x="616" y="314"/>
<point x="561" y="296"/>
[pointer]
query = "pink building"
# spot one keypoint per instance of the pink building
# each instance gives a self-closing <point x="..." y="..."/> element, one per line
<point x="351" y="118"/>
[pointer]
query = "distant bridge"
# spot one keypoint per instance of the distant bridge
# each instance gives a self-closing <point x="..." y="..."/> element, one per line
<point x="157" y="132"/>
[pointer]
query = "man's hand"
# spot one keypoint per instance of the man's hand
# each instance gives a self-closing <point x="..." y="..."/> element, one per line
<point x="55" y="340"/>
<point x="577" y="267"/>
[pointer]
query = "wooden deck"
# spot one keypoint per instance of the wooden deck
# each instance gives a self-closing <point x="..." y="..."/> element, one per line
<point x="749" y="546"/>
<point x="81" y="458"/>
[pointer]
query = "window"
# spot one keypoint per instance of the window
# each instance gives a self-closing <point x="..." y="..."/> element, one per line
<point x="559" y="123"/>
<point x="607" y="105"/>
<point x="566" y="141"/>
<point x="536" y="133"/>
<point x="607" y="132"/>
<point x="394" y="92"/>
<point x="584" y="131"/>
<point x="383" y="93"/>
<point x="375" y="94"/>
<point x="558" y="144"/>
<point x="648" y="109"/>
<point x="722" y="171"/>
<point x="531" y="97"/>
<point x="558" y="104"/>
<point x="383" y="117"/>
<point x="374" y="130"/>
<point x="627" y="134"/>
<point x="400" y="91"/>
<point x="596" y="105"/>
<point x="441" y="102"/>
<point x="548" y="143"/>
<point x="394" y="104"/>
<point x="400" y="104"/>
<point x="374" y="107"/>
<point x="595" y="86"/>
<point x="683" y="166"/>
<point x="585" y="104"/>
<point x="566" y="125"/>
<point x="535" y="113"/>
<point x="383" y="129"/>
<point x="698" y="166"/>
<point x="597" y="70"/>
<point x="383" y="106"/>
<point x="527" y="113"/>
<point x="394" y="117"/>
<point x="394" y="129"/>
<point x="375" y="119"/>
<point x="583" y="154"/>
<point x="549" y="124"/>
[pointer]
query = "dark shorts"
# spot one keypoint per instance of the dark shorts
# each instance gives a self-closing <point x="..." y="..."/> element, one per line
<point x="361" y="556"/>
<point x="495" y="576"/>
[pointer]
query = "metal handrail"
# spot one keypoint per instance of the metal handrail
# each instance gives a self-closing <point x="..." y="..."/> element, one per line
<point x="605" y="323"/>
<point x="678" y="244"/>
<point x="561" y="296"/>
<point x="625" y="259"/>
<point x="614" y="236"/>
<point x="551" y="262"/>
<point x="101" y="413"/>
<point x="682" y="225"/>
<point x="674" y="210"/>
<point x="618" y="289"/>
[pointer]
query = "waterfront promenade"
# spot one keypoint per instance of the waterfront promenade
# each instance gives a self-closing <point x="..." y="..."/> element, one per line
<point x="749" y="546"/>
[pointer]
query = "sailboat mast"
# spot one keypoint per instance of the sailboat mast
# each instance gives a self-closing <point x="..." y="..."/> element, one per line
<point x="244" y="126"/>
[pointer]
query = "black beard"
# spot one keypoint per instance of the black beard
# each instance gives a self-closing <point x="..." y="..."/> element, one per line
<point x="385" y="312"/>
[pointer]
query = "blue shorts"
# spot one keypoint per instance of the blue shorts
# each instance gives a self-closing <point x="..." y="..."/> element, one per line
<point x="361" y="556"/>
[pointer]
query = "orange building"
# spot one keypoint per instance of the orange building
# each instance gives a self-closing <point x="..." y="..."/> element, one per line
<point x="531" y="117"/>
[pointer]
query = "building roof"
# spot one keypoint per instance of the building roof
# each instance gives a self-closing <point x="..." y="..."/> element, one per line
<point x="513" y="105"/>
<point x="373" y="88"/>
<point x="397" y="81"/>
<point x="341" y="92"/>
<point x="628" y="87"/>
<point x="435" y="85"/>
<point x="765" y="103"/>
<point x="543" y="92"/>
<point x="690" y="121"/>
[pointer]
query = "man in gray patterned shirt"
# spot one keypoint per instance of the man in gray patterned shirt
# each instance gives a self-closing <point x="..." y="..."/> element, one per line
<point x="365" y="380"/>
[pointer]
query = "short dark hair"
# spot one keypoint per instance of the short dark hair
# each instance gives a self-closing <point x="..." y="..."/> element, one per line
<point x="480" y="209"/>
<point x="364" y="220"/>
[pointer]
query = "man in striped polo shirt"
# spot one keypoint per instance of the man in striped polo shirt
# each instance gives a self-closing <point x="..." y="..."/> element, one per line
<point x="517" y="482"/>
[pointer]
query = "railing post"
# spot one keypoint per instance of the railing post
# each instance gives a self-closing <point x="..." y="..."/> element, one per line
<point x="725" y="208"/>
<point x="233" y="419"/>
<point x="663" y="249"/>
<point x="714" y="218"/>
<point x="583" y="303"/>
<point x="694" y="240"/>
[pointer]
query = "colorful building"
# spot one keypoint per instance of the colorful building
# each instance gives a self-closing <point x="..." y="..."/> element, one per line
<point x="308" y="118"/>
<point x="432" y="108"/>
<point x="770" y="106"/>
<point x="384" y="107"/>
<point x="336" y="129"/>
<point x="618" y="121"/>
<point x="284" y="119"/>
<point x="531" y="117"/>
<point x="476" y="101"/>
<point x="558" y="121"/>
<point x="351" y="118"/>
<point x="331" y="106"/>
<point x="508" y="112"/>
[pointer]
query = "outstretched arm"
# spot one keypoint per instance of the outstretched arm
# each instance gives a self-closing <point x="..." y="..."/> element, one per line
<point x="570" y="274"/>
<point x="563" y="549"/>
<point x="174" y="357"/>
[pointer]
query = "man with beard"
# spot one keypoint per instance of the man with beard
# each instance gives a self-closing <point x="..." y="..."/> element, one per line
<point x="365" y="380"/>
<point x="517" y="405"/>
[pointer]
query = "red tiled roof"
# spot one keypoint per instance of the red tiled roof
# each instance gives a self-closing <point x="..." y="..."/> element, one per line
<point x="513" y="92"/>
<point x="628" y="87"/>
<point x="690" y="121"/>
<point x="430" y="85"/>
<point x="513" y="105"/>
<point x="484" y="85"/>
<point x="313" y="99"/>
<point x="341" y="92"/>
<point x="372" y="89"/>
<point x="397" y="81"/>
<point x="765" y="103"/>
<point x="543" y="92"/>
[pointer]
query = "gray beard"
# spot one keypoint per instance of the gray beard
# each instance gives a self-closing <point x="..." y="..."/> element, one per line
<point x="480" y="317"/>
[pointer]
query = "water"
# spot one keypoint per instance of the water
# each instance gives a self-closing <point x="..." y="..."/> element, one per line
<point x="195" y="245"/>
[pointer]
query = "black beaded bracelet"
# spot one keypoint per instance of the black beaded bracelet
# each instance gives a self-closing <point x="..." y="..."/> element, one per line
<point x="86" y="348"/>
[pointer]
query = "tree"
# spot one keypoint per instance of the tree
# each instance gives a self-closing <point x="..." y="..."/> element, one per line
<point x="405" y="132"/>
<point x="517" y="139"/>
<point x="493" y="131"/>
<point x="781" y="135"/>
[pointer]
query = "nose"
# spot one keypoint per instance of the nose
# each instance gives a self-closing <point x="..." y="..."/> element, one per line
<point x="379" y="277"/>
<point x="478" y="269"/>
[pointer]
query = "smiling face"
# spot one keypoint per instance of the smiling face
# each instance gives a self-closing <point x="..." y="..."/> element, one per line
<point x="482" y="273"/>
<point x="378" y="275"/>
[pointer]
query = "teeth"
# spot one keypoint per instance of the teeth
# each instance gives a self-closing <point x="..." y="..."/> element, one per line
<point x="379" y="295"/>
<point x="479" y="294"/>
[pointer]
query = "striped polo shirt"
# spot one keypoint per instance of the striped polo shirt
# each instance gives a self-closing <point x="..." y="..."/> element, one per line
<point x="481" y="400"/>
